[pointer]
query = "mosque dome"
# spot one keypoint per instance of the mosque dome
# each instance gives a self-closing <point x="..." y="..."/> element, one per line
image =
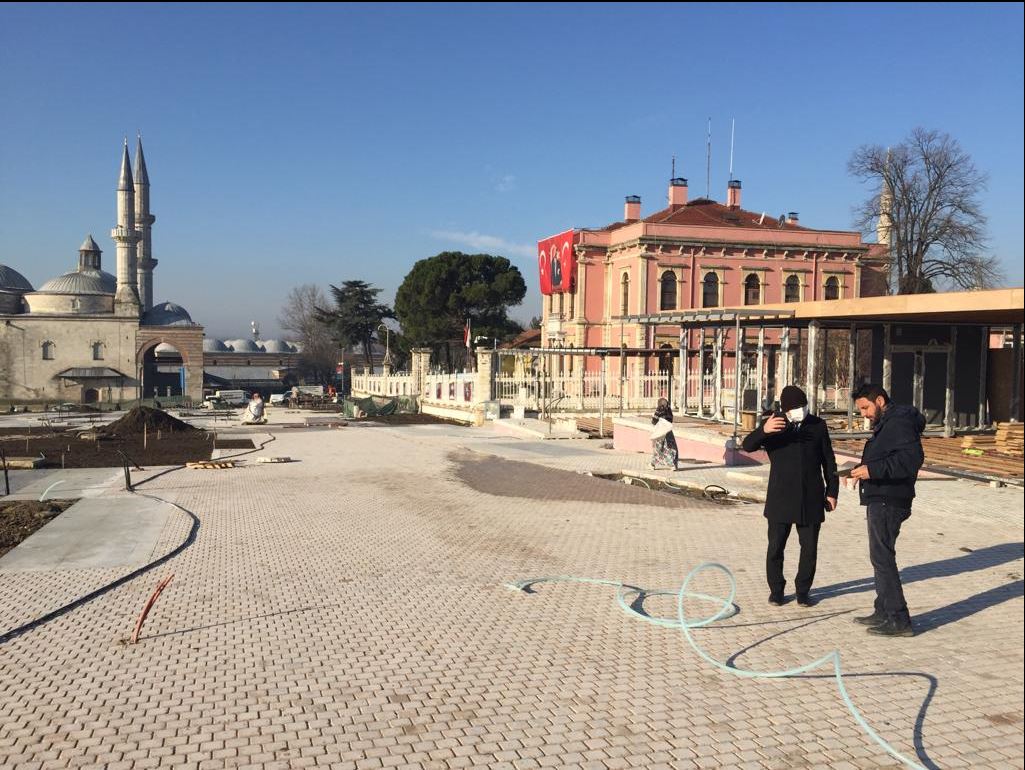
<point x="86" y="281"/>
<point x="245" y="346"/>
<point x="276" y="346"/>
<point x="167" y="314"/>
<point x="214" y="346"/>
<point x="12" y="280"/>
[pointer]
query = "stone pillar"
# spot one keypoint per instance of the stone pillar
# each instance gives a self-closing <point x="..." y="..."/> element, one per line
<point x="948" y="402"/>
<point x="483" y="385"/>
<point x="812" y="386"/>
<point x="419" y="365"/>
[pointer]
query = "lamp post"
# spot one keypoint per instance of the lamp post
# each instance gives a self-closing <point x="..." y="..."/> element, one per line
<point x="387" y="344"/>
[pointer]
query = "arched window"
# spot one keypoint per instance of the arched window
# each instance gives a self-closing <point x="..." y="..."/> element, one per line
<point x="624" y="294"/>
<point x="832" y="288"/>
<point x="97" y="351"/>
<point x="49" y="349"/>
<point x="752" y="290"/>
<point x="668" y="291"/>
<point x="710" y="291"/>
<point x="792" y="289"/>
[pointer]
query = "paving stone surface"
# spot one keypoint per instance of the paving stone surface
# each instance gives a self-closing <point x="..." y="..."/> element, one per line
<point x="349" y="610"/>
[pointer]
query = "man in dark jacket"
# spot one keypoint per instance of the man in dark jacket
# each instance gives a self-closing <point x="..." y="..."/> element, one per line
<point x="889" y="467"/>
<point x="802" y="485"/>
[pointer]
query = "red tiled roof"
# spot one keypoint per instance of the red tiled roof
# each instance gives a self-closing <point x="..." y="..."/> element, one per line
<point x="526" y="339"/>
<point x="709" y="213"/>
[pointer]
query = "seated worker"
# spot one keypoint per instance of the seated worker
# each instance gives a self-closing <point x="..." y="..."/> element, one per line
<point x="254" y="411"/>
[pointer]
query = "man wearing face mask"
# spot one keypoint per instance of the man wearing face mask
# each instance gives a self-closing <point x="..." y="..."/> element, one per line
<point x="802" y="485"/>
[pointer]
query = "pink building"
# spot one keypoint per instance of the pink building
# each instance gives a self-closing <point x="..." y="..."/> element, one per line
<point x="693" y="254"/>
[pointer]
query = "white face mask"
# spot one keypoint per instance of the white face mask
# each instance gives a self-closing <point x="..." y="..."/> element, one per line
<point x="798" y="414"/>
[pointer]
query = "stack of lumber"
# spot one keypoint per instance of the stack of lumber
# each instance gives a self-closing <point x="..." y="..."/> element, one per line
<point x="1009" y="438"/>
<point x="987" y="442"/>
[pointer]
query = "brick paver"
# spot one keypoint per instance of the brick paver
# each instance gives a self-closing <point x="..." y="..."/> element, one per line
<point x="348" y="610"/>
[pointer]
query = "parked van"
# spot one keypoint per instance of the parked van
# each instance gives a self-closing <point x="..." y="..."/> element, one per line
<point x="233" y="397"/>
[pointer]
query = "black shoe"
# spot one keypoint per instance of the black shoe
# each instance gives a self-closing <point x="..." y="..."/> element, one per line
<point x="871" y="620"/>
<point x="806" y="601"/>
<point x="892" y="628"/>
<point x="776" y="600"/>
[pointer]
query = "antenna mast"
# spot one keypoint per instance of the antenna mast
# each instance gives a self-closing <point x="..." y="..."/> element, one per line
<point x="733" y="126"/>
<point x="708" y="162"/>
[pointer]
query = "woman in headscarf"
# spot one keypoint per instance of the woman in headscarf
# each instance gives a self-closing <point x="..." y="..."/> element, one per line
<point x="664" y="449"/>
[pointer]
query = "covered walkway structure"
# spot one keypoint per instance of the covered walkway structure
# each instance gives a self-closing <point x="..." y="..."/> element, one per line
<point x="956" y="356"/>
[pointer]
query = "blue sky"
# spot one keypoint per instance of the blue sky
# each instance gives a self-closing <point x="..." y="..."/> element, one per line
<point x="315" y="144"/>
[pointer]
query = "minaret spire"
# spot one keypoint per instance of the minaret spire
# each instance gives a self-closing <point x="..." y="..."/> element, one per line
<point x="126" y="298"/>
<point x="143" y="223"/>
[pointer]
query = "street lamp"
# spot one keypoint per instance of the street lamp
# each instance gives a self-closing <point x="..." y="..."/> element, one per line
<point x="387" y="344"/>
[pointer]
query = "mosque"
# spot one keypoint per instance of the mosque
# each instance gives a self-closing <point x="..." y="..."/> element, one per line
<point x="91" y="337"/>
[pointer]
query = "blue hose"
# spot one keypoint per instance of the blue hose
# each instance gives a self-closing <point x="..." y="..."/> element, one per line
<point x="727" y="609"/>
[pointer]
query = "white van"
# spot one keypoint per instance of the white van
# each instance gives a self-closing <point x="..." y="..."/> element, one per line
<point x="233" y="397"/>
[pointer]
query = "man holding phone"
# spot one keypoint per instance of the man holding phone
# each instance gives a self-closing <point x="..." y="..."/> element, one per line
<point x="889" y="468"/>
<point x="802" y="485"/>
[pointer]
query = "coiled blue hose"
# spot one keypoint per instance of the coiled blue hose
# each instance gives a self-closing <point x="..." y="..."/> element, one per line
<point x="727" y="609"/>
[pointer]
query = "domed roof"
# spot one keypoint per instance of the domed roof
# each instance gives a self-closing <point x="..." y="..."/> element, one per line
<point x="81" y="282"/>
<point x="165" y="349"/>
<point x="245" y="346"/>
<point x="276" y="346"/>
<point x="12" y="280"/>
<point x="167" y="314"/>
<point x="213" y="346"/>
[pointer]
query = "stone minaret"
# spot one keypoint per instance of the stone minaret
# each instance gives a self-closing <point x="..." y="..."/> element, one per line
<point x="126" y="298"/>
<point x="143" y="222"/>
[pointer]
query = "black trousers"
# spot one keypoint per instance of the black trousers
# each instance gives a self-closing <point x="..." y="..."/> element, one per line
<point x="779" y="532"/>
<point x="884" y="520"/>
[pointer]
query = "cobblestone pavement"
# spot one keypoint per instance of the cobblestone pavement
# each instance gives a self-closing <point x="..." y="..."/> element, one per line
<point x="348" y="610"/>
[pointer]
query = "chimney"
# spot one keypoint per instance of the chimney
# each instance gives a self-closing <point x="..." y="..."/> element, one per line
<point x="792" y="218"/>
<point x="632" y="211"/>
<point x="677" y="192"/>
<point x="733" y="194"/>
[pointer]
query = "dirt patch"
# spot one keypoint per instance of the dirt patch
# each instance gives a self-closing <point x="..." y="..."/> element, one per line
<point x="20" y="518"/>
<point x="143" y="419"/>
<point x="234" y="443"/>
<point x="70" y="451"/>
<point x="34" y="430"/>
<point x="509" y="478"/>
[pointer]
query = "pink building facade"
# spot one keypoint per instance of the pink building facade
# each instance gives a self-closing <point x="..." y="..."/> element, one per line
<point x="692" y="254"/>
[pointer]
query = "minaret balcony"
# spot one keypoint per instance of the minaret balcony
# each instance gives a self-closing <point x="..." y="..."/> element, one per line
<point x="124" y="234"/>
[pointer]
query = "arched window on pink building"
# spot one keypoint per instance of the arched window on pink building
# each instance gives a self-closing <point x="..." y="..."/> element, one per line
<point x="624" y="295"/>
<point x="710" y="291"/>
<point x="792" y="289"/>
<point x="668" y="299"/>
<point x="752" y="290"/>
<point x="832" y="288"/>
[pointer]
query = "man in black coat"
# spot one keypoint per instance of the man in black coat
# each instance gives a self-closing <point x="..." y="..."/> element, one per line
<point x="889" y="467"/>
<point x="802" y="485"/>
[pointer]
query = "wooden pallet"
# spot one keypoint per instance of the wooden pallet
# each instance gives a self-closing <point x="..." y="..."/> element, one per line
<point x="212" y="464"/>
<point x="591" y="426"/>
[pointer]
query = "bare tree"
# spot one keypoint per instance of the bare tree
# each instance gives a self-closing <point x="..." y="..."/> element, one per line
<point x="320" y="353"/>
<point x="926" y="208"/>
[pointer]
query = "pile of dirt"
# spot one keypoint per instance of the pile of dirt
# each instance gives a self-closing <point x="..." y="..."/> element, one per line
<point x="20" y="518"/>
<point x="145" y="419"/>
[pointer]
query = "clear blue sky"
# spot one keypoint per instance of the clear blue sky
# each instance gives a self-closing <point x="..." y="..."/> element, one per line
<point x="315" y="144"/>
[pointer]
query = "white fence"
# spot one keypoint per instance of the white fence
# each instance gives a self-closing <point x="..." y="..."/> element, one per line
<point x="378" y="385"/>
<point x="582" y="391"/>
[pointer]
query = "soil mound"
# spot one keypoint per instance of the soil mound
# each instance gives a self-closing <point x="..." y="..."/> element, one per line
<point x="144" y="418"/>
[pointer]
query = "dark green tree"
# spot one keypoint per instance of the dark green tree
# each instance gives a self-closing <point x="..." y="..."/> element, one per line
<point x="355" y="317"/>
<point x="442" y="292"/>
